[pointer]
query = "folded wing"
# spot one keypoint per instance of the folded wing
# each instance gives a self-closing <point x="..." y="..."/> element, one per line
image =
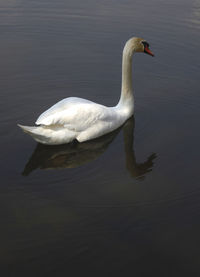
<point x="75" y="114"/>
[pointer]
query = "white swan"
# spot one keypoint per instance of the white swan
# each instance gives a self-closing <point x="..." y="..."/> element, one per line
<point x="76" y="118"/>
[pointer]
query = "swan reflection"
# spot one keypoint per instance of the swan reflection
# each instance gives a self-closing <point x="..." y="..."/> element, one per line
<point x="76" y="154"/>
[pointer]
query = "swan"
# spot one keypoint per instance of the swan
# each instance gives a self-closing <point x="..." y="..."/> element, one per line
<point x="80" y="119"/>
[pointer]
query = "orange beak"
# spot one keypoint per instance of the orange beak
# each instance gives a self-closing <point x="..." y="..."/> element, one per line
<point x="148" y="51"/>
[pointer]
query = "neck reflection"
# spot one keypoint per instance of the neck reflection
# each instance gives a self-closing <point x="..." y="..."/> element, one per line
<point x="136" y="170"/>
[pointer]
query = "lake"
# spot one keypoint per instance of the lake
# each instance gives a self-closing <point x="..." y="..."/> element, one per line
<point x="127" y="204"/>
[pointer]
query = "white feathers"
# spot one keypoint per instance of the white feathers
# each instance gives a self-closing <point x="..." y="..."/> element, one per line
<point x="74" y="118"/>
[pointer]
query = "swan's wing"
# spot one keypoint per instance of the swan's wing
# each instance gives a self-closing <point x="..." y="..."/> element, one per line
<point x="75" y="114"/>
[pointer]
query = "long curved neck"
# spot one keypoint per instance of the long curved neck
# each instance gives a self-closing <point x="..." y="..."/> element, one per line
<point x="127" y="83"/>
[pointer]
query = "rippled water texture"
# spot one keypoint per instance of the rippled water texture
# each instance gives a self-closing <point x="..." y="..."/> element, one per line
<point x="127" y="204"/>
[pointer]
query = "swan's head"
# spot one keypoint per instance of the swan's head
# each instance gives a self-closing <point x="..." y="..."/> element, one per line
<point x="137" y="45"/>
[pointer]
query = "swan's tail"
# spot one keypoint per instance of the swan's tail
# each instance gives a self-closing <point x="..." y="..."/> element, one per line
<point x="28" y="129"/>
<point x="51" y="135"/>
<point x="35" y="132"/>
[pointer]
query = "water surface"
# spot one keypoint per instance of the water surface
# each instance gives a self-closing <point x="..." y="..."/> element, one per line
<point x="124" y="205"/>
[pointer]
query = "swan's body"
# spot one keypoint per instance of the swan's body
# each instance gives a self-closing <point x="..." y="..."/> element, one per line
<point x="76" y="118"/>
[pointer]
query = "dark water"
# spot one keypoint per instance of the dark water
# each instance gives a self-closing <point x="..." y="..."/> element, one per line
<point x="127" y="204"/>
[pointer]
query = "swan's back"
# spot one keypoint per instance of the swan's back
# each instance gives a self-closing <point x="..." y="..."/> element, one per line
<point x="54" y="114"/>
<point x="76" y="114"/>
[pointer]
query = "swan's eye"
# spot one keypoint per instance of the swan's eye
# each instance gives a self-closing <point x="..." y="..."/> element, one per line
<point x="146" y="48"/>
<point x="146" y="44"/>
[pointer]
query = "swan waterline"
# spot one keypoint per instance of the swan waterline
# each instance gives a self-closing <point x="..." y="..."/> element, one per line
<point x="80" y="119"/>
<point x="73" y="155"/>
